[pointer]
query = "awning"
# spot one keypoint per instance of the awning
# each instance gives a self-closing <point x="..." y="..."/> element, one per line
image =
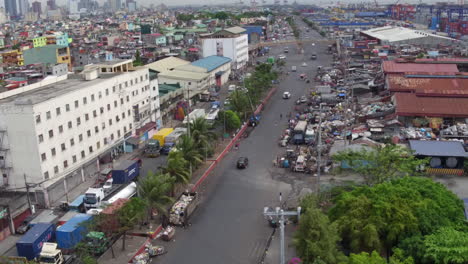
<point x="133" y="141"/>
<point x="219" y="73"/>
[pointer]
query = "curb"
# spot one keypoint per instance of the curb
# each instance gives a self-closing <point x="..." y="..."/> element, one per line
<point x="210" y="168"/>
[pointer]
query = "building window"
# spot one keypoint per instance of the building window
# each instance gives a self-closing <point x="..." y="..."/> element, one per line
<point x="63" y="146"/>
<point x="90" y="149"/>
<point x="126" y="84"/>
<point x="85" y="100"/>
<point x="141" y="78"/>
<point x="112" y="136"/>
<point x="125" y="129"/>
<point x="60" y="129"/>
<point x="120" y="86"/>
<point x="103" y="125"/>
<point x="88" y="133"/>
<point x="107" y="91"/>
<point x="128" y="112"/>
<point x="128" y="98"/>
<point x="121" y="101"/>
<point x="92" y="98"/>
<point x="43" y="157"/>
<point x="51" y="133"/>
<point x="94" y="113"/>
<point x="57" y="111"/>
<point x="80" y="137"/>
<point x="123" y="115"/>
<point x="72" y="142"/>
<point x="65" y="164"/>
<point x="38" y="119"/>
<point x="46" y="175"/>
<point x="117" y="119"/>
<point x="78" y="121"/>
<point x="86" y="117"/>
<point x="96" y="129"/>
<point x="100" y="95"/>
<point x="105" y="141"/>
<point x="98" y="145"/>
<point x="70" y="124"/>
<point x="130" y="126"/>
<point x="53" y="152"/>
<point x="118" y="133"/>
<point x="115" y="103"/>
<point x="136" y="80"/>
<point x="131" y="82"/>
<point x="76" y="104"/>
<point x="40" y="138"/>
<point x="110" y="122"/>
<point x="74" y="158"/>
<point x="56" y="170"/>
<point x="113" y="89"/>
<point x="83" y="154"/>
<point x="108" y="107"/>
<point x="101" y="110"/>
<point x="48" y="115"/>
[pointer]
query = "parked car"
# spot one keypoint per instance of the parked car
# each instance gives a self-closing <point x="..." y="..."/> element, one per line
<point x="304" y="64"/>
<point x="24" y="227"/>
<point x="167" y="148"/>
<point x="242" y="163"/>
<point x="282" y="57"/>
<point x="313" y="57"/>
<point x="286" y="95"/>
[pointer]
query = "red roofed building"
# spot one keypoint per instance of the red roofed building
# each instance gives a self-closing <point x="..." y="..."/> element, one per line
<point x="392" y="67"/>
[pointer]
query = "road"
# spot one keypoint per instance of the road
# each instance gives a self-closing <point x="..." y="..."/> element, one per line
<point x="229" y="227"/>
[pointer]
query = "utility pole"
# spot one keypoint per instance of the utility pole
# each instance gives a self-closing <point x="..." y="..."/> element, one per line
<point x="27" y="193"/>
<point x="280" y="213"/>
<point x="188" y="124"/>
<point x="319" y="148"/>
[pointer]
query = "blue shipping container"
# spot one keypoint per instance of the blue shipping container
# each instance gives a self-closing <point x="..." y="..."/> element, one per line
<point x="77" y="203"/>
<point x="30" y="245"/>
<point x="125" y="171"/>
<point x="71" y="233"/>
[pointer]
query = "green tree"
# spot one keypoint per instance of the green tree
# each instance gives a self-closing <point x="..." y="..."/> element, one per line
<point x="129" y="215"/>
<point x="137" y="61"/>
<point x="381" y="163"/>
<point x="203" y="137"/>
<point x="154" y="189"/>
<point x="221" y="15"/>
<point x="446" y="245"/>
<point x="240" y="103"/>
<point x="230" y="119"/>
<point x="316" y="238"/>
<point x="379" y="217"/>
<point x="189" y="150"/>
<point x="366" y="258"/>
<point x="177" y="167"/>
<point x="185" y="17"/>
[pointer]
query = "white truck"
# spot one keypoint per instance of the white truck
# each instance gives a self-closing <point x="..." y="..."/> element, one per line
<point x="51" y="255"/>
<point x="175" y="135"/>
<point x="196" y="113"/>
<point x="309" y="136"/>
<point x="211" y="116"/>
<point x="94" y="197"/>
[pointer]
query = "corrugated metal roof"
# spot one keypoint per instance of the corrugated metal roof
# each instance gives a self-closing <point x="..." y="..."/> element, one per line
<point x="235" y="30"/>
<point x="166" y="64"/>
<point x="394" y="67"/>
<point x="184" y="75"/>
<point x="450" y="87"/>
<point x="211" y="62"/>
<point x="395" y="34"/>
<point x="438" y="148"/>
<point x="409" y="104"/>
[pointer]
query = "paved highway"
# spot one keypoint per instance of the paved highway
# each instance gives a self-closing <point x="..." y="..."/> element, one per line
<point x="228" y="227"/>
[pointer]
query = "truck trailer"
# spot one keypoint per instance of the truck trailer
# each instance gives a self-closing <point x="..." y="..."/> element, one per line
<point x="71" y="233"/>
<point x="30" y="245"/>
<point x="162" y="134"/>
<point x="125" y="172"/>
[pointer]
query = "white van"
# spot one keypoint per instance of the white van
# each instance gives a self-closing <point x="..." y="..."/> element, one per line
<point x="293" y="68"/>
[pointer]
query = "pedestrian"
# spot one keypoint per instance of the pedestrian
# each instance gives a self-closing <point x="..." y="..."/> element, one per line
<point x="182" y="219"/>
<point x="237" y="145"/>
<point x="281" y="116"/>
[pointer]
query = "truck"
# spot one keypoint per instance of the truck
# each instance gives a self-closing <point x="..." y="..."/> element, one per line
<point x="196" y="113"/>
<point x="78" y="204"/>
<point x="126" y="193"/>
<point x="309" y="136"/>
<point x="175" y="135"/>
<point x="152" y="148"/>
<point x="93" y="197"/>
<point x="71" y="233"/>
<point x="125" y="171"/>
<point x="211" y="116"/>
<point x="67" y="216"/>
<point x="50" y="254"/>
<point x="205" y="96"/>
<point x="181" y="211"/>
<point x="300" y="127"/>
<point x="30" y="245"/>
<point x="162" y="134"/>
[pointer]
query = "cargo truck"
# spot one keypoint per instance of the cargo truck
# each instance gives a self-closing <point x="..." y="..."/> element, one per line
<point x="183" y="208"/>
<point x="94" y="197"/>
<point x="152" y="148"/>
<point x="71" y="233"/>
<point x="175" y="135"/>
<point x="30" y="245"/>
<point x="309" y="136"/>
<point x="196" y="113"/>
<point x="51" y="255"/>
<point x="125" y="172"/>
<point x="162" y="134"/>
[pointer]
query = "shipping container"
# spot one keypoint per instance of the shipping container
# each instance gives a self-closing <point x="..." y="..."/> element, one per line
<point x="162" y="134"/>
<point x="175" y="135"/>
<point x="30" y="245"/>
<point x="69" y="215"/>
<point x="125" y="171"/>
<point x="71" y="233"/>
<point x="78" y="204"/>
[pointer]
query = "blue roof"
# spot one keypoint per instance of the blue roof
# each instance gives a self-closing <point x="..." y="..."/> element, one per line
<point x="211" y="62"/>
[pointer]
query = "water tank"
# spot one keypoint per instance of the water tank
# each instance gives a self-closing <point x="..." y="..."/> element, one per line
<point x="451" y="162"/>
<point x="435" y="162"/>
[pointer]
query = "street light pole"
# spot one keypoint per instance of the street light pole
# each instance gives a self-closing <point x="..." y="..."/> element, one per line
<point x="281" y="213"/>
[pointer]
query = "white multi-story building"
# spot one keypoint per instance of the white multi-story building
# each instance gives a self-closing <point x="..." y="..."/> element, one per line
<point x="230" y="42"/>
<point x="51" y="130"/>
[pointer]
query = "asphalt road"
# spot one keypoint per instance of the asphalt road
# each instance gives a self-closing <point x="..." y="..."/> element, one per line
<point x="229" y="227"/>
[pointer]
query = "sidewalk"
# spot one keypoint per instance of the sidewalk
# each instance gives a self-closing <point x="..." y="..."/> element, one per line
<point x="7" y="244"/>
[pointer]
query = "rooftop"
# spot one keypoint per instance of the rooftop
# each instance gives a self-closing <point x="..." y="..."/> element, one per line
<point x="184" y="75"/>
<point x="438" y="148"/>
<point x="166" y="64"/>
<point x="395" y="67"/>
<point x="427" y="86"/>
<point x="395" y="34"/>
<point x="211" y="62"/>
<point x="410" y="104"/>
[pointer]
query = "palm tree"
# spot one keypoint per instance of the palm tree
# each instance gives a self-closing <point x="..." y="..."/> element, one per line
<point x="154" y="189"/>
<point x="189" y="151"/>
<point x="177" y="167"/>
<point x="201" y="136"/>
